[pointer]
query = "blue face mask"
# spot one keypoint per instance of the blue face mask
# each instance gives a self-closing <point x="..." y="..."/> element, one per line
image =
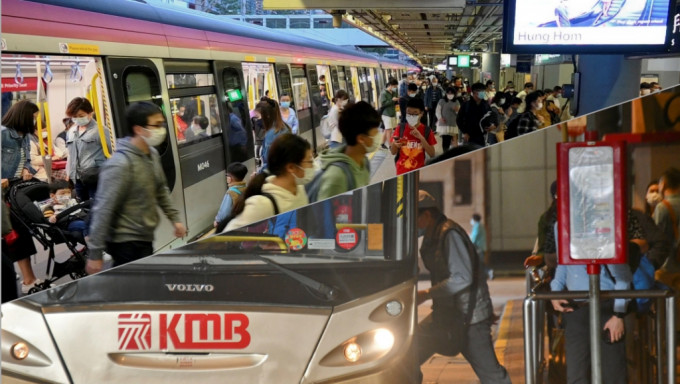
<point x="285" y="104"/>
<point x="481" y="95"/>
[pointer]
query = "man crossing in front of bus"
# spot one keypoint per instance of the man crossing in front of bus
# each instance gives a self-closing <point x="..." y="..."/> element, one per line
<point x="133" y="184"/>
<point x="458" y="285"/>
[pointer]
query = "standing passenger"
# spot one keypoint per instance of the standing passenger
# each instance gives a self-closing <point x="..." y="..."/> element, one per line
<point x="132" y="186"/>
<point x="85" y="150"/>
<point x="410" y="142"/>
<point x="339" y="103"/>
<point x="457" y="288"/>
<point x="236" y="173"/>
<point x="433" y="95"/>
<point x="272" y="122"/>
<point x="291" y="166"/>
<point x="238" y="138"/>
<point x="288" y="114"/>
<point x="388" y="102"/>
<point x="447" y="114"/>
<point x="17" y="124"/>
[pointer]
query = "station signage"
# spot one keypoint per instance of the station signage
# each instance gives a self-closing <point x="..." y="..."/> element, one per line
<point x="475" y="61"/>
<point x="453" y="61"/>
<point x="463" y="61"/>
<point x="29" y="84"/>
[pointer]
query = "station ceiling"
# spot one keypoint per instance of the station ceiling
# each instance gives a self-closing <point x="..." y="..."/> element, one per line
<point x="428" y="30"/>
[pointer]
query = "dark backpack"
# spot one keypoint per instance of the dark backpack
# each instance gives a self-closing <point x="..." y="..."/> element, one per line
<point x="402" y="128"/>
<point x="314" y="186"/>
<point x="223" y="224"/>
<point x="511" y="129"/>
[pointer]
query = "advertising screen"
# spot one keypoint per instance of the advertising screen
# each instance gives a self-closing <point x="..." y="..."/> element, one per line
<point x="577" y="26"/>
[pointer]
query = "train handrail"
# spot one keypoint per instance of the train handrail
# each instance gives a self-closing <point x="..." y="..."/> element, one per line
<point x="97" y="111"/>
<point x="623" y="294"/>
<point x="48" y="128"/>
<point x="230" y="238"/>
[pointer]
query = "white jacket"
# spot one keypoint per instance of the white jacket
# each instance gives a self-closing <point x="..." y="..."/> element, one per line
<point x="259" y="207"/>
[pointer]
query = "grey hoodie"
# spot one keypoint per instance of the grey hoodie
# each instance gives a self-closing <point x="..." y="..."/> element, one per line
<point x="131" y="185"/>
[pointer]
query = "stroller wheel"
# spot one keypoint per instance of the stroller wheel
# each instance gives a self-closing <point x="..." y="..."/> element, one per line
<point x="77" y="275"/>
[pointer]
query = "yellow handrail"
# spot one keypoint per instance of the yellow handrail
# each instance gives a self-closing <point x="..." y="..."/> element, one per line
<point x="198" y="106"/>
<point x="40" y="143"/>
<point x="353" y="226"/>
<point x="46" y="111"/>
<point x="100" y="125"/>
<point x="233" y="239"/>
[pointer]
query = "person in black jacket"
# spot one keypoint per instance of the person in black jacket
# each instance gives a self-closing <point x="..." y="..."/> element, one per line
<point x="475" y="117"/>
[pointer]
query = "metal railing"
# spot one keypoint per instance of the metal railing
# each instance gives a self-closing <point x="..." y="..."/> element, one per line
<point x="534" y="315"/>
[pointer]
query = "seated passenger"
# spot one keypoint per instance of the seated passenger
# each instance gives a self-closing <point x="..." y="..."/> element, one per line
<point x="359" y="126"/>
<point x="197" y="130"/>
<point x="291" y="166"/>
<point x="236" y="173"/>
<point x="60" y="212"/>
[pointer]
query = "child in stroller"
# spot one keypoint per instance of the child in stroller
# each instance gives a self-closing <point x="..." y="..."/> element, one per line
<point x="24" y="198"/>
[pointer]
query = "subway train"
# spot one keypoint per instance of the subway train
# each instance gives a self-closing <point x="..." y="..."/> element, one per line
<point x="189" y="63"/>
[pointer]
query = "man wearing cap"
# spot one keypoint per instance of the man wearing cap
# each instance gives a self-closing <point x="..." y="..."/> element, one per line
<point x="458" y="289"/>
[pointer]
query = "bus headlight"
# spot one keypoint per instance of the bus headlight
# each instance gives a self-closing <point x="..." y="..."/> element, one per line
<point x="352" y="352"/>
<point x="19" y="350"/>
<point x="363" y="348"/>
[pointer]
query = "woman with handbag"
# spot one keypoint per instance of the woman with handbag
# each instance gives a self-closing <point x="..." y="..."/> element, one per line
<point x="85" y="149"/>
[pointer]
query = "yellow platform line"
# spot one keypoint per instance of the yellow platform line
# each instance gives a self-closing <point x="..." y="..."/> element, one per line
<point x="504" y="331"/>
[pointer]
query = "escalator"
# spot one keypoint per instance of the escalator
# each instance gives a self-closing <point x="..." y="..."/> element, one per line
<point x="621" y="13"/>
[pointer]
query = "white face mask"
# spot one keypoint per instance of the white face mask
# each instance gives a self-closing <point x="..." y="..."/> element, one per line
<point x="539" y="106"/>
<point x="81" y="121"/>
<point x="646" y="91"/>
<point x="412" y="120"/>
<point x="411" y="95"/>
<point x="374" y="144"/>
<point x="157" y="137"/>
<point x="341" y="103"/>
<point x="44" y="135"/>
<point x="309" y="176"/>
<point x="472" y="222"/>
<point x="502" y="101"/>
<point x="450" y="97"/>
<point x="654" y="198"/>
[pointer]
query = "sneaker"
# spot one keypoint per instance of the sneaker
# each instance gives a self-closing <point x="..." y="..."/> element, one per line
<point x="106" y="257"/>
<point x="383" y="146"/>
<point x="25" y="288"/>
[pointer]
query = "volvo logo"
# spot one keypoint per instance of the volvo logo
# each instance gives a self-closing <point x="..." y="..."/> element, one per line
<point x="190" y="287"/>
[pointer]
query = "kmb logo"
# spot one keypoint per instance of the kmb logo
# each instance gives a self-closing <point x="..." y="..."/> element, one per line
<point x="183" y="331"/>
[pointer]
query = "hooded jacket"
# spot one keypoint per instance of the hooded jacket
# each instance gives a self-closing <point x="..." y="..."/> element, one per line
<point x="259" y="207"/>
<point x="334" y="180"/>
<point x="131" y="185"/>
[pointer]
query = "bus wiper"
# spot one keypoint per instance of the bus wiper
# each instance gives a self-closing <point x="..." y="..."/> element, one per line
<point x="327" y="292"/>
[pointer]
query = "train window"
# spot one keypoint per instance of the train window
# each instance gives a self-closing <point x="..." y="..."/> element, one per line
<point x="299" y="23"/>
<point x="300" y="91"/>
<point x="286" y="86"/>
<point x="189" y="80"/>
<point x="327" y="84"/>
<point x="355" y="83"/>
<point x="334" y="78"/>
<point x="276" y="23"/>
<point x="141" y="84"/>
<point x="260" y="80"/>
<point x="323" y="23"/>
<point x="342" y="83"/>
<point x="196" y="118"/>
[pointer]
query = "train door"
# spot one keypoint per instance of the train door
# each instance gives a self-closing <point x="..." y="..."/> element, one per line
<point x="260" y="81"/>
<point x="369" y="86"/>
<point x="293" y="81"/>
<point x="231" y="89"/>
<point x="133" y="80"/>
<point x="318" y="109"/>
<point x="199" y="128"/>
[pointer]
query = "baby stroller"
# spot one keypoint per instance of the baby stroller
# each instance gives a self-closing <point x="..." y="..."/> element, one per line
<point x="21" y="196"/>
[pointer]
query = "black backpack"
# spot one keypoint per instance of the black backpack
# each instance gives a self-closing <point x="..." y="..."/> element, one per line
<point x="511" y="129"/>
<point x="402" y="128"/>
<point x="223" y="224"/>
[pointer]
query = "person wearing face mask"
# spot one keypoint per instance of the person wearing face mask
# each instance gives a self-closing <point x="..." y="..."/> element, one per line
<point x="339" y="103"/>
<point x="359" y="126"/>
<point x="273" y="125"/>
<point x="652" y="197"/>
<point x="528" y="88"/>
<point x="388" y="111"/>
<point x="447" y="114"/>
<point x="132" y="187"/>
<point x="462" y="312"/>
<point x="413" y="139"/>
<point x="236" y="174"/>
<point x="197" y="131"/>
<point x="85" y="150"/>
<point x="291" y="166"/>
<point x="529" y="120"/>
<point x="433" y="95"/>
<point x="17" y="125"/>
<point x="497" y="109"/>
<point x="490" y="90"/>
<point x="474" y="117"/>
<point x="288" y="114"/>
